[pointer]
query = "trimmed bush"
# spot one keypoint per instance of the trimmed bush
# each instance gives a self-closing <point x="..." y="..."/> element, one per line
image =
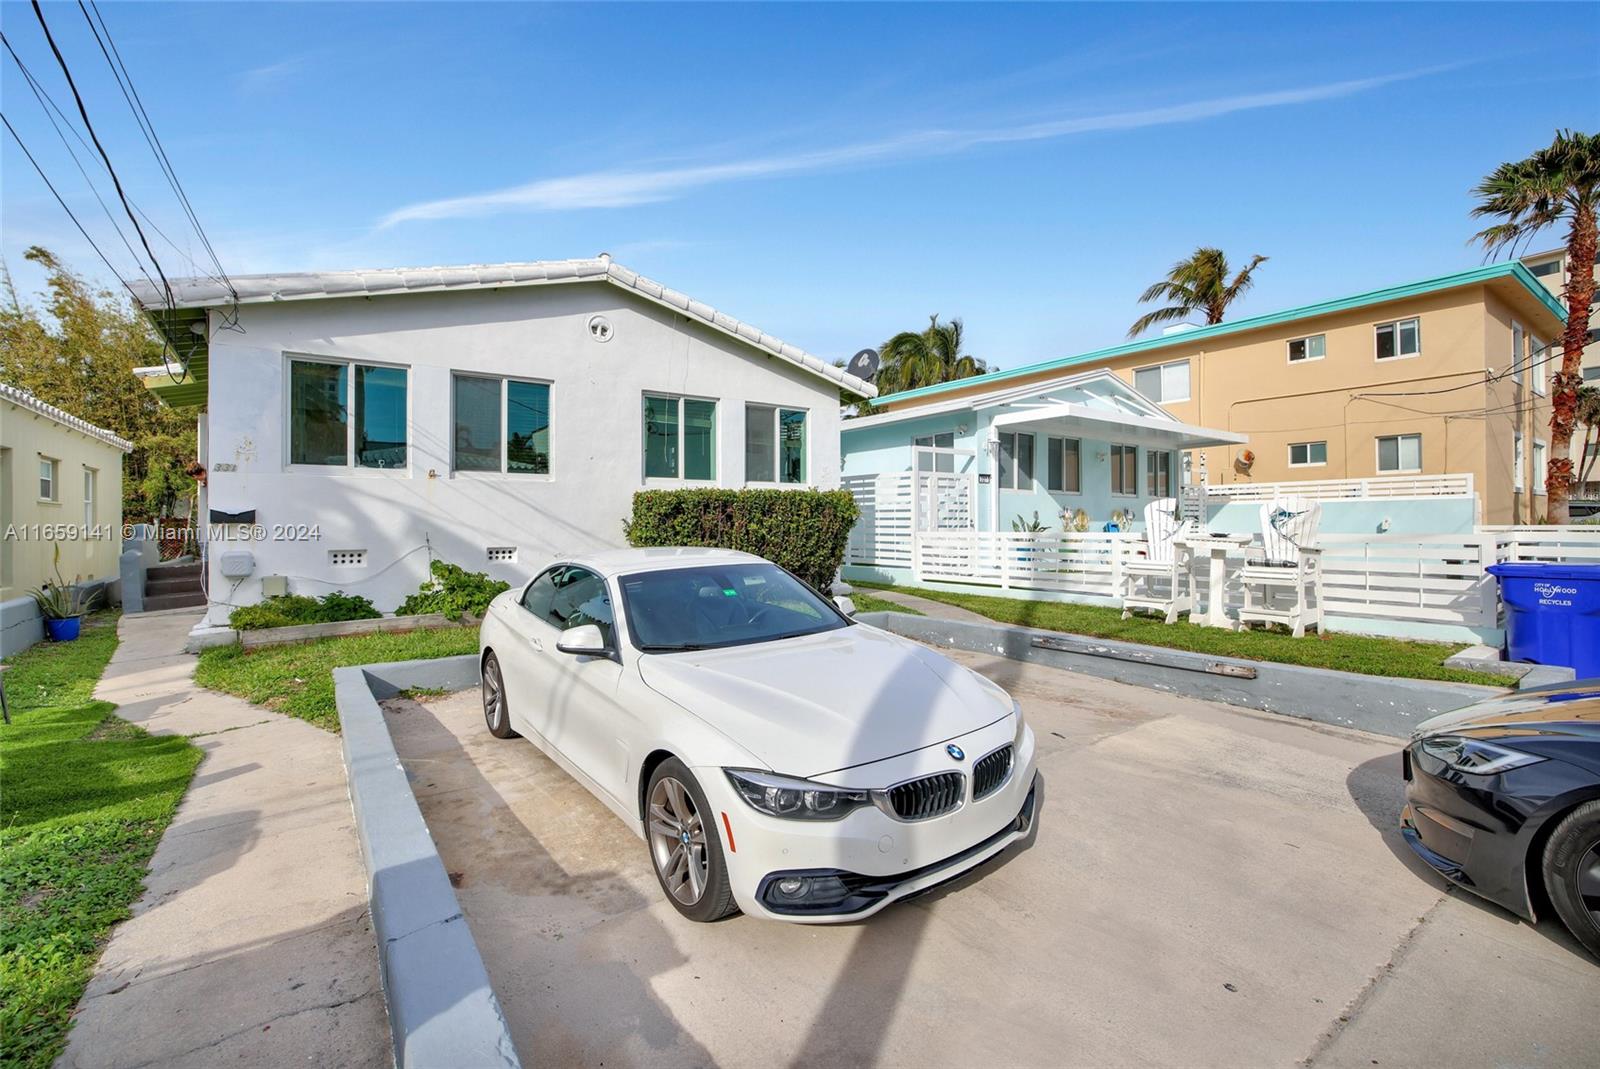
<point x="289" y="610"/>
<point x="802" y="530"/>
<point x="452" y="590"/>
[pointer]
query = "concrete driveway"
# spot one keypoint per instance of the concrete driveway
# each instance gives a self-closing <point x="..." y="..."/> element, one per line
<point x="1207" y="887"/>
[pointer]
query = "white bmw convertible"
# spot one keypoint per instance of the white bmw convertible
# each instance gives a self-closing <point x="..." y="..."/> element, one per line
<point x="776" y="756"/>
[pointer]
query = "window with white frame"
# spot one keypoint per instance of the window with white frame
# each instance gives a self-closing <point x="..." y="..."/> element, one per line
<point x="1308" y="454"/>
<point x="1311" y="347"/>
<point x="774" y="445"/>
<point x="339" y="411"/>
<point x="945" y="462"/>
<point x="1538" y="466"/>
<point x="680" y="437"/>
<point x="1063" y="465"/>
<point x="499" y="425"/>
<point x="1158" y="473"/>
<point x="1516" y="352"/>
<point x="1401" y="338"/>
<point x="1400" y="453"/>
<point x="1125" y="470"/>
<point x="90" y="502"/>
<point x="49" y="478"/>
<point x="1519" y="463"/>
<point x="1164" y="383"/>
<point x="1016" y="461"/>
<point x="1538" y="365"/>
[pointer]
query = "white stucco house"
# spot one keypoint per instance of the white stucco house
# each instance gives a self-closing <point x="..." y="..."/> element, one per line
<point x="491" y="416"/>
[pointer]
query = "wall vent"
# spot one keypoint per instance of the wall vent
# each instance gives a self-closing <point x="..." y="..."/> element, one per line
<point x="502" y="554"/>
<point x="347" y="558"/>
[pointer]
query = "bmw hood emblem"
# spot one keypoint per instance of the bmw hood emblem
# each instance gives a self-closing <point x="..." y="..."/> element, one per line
<point x="955" y="751"/>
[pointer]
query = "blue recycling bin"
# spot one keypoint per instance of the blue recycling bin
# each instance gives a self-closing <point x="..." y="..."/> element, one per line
<point x="1552" y="614"/>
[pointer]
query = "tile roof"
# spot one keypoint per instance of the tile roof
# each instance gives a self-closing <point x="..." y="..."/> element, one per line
<point x="24" y="399"/>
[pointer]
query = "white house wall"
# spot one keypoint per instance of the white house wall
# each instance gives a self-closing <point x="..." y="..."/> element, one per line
<point x="397" y="515"/>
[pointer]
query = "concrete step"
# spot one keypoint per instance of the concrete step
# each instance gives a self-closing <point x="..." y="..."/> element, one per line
<point x="156" y="602"/>
<point x="163" y="585"/>
<point x="187" y="570"/>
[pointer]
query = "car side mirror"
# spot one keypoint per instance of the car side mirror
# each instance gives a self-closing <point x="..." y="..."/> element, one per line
<point x="844" y="604"/>
<point x="585" y="640"/>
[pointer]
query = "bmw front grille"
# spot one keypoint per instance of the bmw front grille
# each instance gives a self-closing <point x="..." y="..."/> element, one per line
<point x="927" y="797"/>
<point x="991" y="771"/>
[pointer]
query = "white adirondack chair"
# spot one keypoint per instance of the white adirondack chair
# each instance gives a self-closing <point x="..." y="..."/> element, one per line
<point x="1284" y="584"/>
<point x="1161" y="579"/>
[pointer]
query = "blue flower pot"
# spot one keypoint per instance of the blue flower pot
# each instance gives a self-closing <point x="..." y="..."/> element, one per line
<point x="64" y="630"/>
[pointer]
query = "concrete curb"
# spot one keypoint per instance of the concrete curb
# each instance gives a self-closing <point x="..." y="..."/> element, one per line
<point x="1380" y="704"/>
<point x="442" y="1010"/>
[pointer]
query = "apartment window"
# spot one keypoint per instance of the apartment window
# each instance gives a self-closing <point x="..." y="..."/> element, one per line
<point x="1518" y="464"/>
<point x="1398" y="339"/>
<point x="1308" y="454"/>
<point x="774" y="444"/>
<point x="90" y="502"/>
<point x="1538" y="366"/>
<point x="1314" y="347"/>
<point x="1063" y="466"/>
<point x="680" y="437"/>
<point x="325" y="429"/>
<point x="1538" y="466"/>
<point x="1158" y="473"/>
<point x="1016" y="461"/>
<point x="1125" y="470"/>
<point x="49" y="468"/>
<point x="1548" y="267"/>
<point x="1591" y="374"/>
<point x="1400" y="453"/>
<point x="945" y="462"/>
<point x="500" y="425"/>
<point x="1516" y="352"/>
<point x="1164" y="383"/>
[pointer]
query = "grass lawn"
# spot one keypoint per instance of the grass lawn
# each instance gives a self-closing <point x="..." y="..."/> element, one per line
<point x="86" y="797"/>
<point x="867" y="603"/>
<point x="298" y="679"/>
<point x="1346" y="653"/>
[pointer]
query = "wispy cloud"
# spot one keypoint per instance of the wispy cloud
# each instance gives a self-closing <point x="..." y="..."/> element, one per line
<point x="625" y="187"/>
<point x="257" y="79"/>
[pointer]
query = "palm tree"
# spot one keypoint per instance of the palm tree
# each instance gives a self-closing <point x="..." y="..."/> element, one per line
<point x="1558" y="183"/>
<point x="1587" y="413"/>
<point x="1198" y="284"/>
<point x="912" y="359"/>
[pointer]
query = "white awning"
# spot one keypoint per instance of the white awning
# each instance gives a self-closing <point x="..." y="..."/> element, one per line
<point x="1075" y="420"/>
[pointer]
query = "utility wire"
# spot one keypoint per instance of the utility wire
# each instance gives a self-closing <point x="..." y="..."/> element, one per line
<point x="106" y="159"/>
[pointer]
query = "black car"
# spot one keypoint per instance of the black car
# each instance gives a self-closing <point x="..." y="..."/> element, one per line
<point x="1503" y="797"/>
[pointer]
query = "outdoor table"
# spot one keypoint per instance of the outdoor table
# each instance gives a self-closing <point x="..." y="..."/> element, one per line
<point x="1216" y="547"/>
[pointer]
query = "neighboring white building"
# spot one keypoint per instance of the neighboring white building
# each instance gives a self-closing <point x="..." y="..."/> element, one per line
<point x="491" y="416"/>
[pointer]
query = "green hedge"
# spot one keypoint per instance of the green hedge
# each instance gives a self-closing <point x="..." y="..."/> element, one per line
<point x="288" y="610"/>
<point x="802" y="530"/>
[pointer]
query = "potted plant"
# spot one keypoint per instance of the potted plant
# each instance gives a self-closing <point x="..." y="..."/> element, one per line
<point x="62" y="604"/>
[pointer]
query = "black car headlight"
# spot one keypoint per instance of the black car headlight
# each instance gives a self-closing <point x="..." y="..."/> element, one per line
<point x="794" y="799"/>
<point x="1474" y="755"/>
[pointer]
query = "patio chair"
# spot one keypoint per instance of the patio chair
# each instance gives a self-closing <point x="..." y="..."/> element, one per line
<point x="1161" y="579"/>
<point x="1283" y="584"/>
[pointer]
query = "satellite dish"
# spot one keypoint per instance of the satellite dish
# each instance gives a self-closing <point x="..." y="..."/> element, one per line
<point x="863" y="365"/>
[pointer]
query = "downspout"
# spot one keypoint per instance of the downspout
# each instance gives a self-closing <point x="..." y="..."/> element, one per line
<point x="991" y="447"/>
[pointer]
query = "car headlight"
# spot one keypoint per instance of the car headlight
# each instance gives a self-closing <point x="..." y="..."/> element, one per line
<point x="1474" y="755"/>
<point x="794" y="799"/>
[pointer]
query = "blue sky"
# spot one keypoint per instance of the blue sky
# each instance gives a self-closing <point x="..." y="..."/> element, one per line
<point x="830" y="173"/>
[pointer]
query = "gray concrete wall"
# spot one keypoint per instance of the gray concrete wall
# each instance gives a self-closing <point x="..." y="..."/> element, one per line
<point x="442" y="1010"/>
<point x="1378" y="704"/>
<point x="20" y="625"/>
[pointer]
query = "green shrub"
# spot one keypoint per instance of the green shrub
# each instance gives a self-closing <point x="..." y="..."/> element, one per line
<point x="802" y="530"/>
<point x="452" y="590"/>
<point x="289" y="610"/>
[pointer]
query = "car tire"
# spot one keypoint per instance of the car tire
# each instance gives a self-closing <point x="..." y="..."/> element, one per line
<point x="496" y="713"/>
<point x="685" y="849"/>
<point x="1572" y="871"/>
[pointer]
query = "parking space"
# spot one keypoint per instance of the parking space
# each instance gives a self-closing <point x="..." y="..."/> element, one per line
<point x="1207" y="886"/>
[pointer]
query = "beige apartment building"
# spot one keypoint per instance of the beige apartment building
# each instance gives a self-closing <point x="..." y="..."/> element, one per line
<point x="1447" y="375"/>
<point x="1551" y="269"/>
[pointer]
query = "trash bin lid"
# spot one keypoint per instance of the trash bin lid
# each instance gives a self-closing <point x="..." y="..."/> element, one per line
<point x="1528" y="569"/>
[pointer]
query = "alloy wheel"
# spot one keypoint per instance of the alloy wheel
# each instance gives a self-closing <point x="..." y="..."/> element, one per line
<point x="494" y="694"/>
<point x="678" y="841"/>
<point x="1589" y="881"/>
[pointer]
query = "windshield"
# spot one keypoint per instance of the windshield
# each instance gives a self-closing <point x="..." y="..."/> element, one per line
<point x="721" y="605"/>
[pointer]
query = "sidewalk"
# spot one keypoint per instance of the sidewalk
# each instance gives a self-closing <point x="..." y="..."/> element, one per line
<point x="938" y="610"/>
<point x="251" y="945"/>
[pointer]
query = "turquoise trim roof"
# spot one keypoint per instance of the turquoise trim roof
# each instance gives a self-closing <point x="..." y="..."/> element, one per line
<point x="1486" y="273"/>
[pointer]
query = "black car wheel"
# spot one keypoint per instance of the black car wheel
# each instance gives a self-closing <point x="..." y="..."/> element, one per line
<point x="1572" y="873"/>
<point x="495" y="712"/>
<point x="685" y="850"/>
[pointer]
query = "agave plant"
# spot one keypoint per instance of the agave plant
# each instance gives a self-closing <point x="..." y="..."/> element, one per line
<point x="62" y="600"/>
<point x="1032" y="526"/>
